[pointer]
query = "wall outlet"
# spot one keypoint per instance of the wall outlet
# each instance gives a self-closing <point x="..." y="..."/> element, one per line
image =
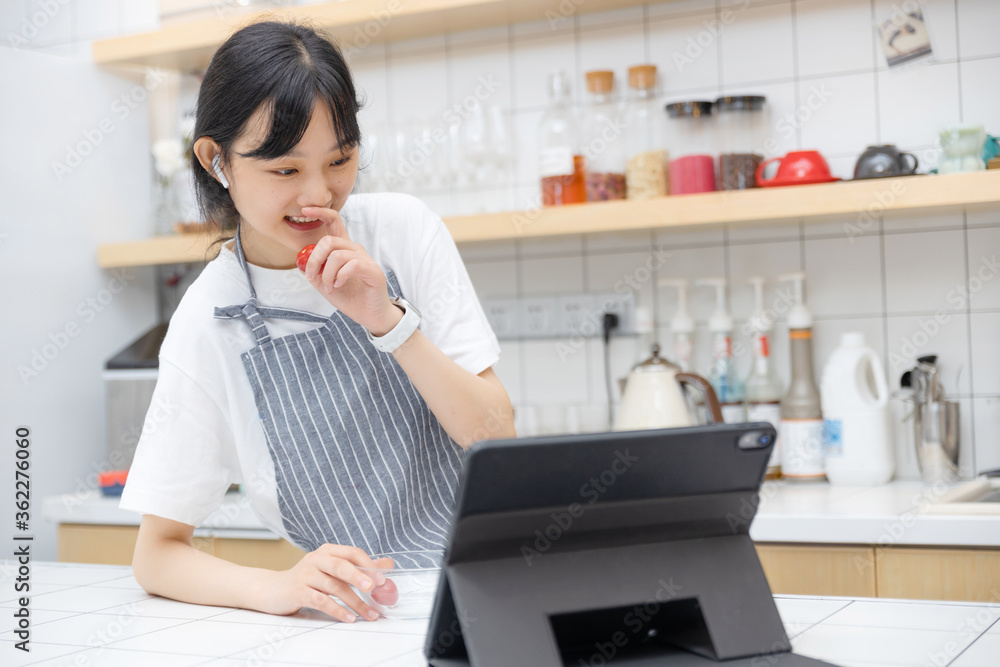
<point x="503" y="317"/>
<point x="567" y="315"/>
<point x="572" y="315"/>
<point x="536" y="317"/>
<point x="622" y="305"/>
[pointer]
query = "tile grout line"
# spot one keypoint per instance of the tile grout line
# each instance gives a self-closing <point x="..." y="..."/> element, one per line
<point x="958" y="59"/>
<point x="968" y="333"/>
<point x="978" y="637"/>
<point x="796" y="81"/>
<point x="875" y="74"/>
<point x="883" y="272"/>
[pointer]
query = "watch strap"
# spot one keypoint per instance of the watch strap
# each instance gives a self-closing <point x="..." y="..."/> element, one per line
<point x="399" y="333"/>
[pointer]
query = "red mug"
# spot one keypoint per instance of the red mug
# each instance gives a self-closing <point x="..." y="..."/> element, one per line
<point x="797" y="166"/>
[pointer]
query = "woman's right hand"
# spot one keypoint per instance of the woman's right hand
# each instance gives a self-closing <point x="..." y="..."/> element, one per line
<point x="330" y="570"/>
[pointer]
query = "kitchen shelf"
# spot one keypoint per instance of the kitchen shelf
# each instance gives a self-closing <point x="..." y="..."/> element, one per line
<point x="853" y="198"/>
<point x="189" y="45"/>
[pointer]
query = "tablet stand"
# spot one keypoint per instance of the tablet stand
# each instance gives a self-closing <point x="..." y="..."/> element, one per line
<point x="628" y="599"/>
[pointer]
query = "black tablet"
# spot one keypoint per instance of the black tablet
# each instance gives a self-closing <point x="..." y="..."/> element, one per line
<point x="552" y="539"/>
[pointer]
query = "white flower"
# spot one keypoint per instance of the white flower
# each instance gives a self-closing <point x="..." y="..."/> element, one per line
<point x="169" y="156"/>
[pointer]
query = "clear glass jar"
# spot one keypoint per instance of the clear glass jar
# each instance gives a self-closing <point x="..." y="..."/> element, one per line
<point x="603" y="139"/>
<point x="646" y="159"/>
<point x="742" y="122"/>
<point x="692" y="146"/>
<point x="560" y="162"/>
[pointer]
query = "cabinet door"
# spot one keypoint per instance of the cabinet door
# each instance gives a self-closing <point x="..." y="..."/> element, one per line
<point x="110" y="545"/>
<point x="939" y="574"/>
<point x="798" y="569"/>
<point x="269" y="554"/>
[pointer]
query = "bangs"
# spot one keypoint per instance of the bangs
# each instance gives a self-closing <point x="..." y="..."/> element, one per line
<point x="290" y="106"/>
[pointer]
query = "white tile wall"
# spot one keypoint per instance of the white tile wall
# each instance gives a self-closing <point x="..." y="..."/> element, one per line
<point x="827" y="27"/>
<point x="796" y="53"/>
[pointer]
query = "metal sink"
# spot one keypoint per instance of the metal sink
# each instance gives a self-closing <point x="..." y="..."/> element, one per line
<point x="980" y="496"/>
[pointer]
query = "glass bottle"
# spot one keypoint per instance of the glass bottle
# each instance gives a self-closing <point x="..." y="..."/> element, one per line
<point x="561" y="165"/>
<point x="691" y="142"/>
<point x="742" y="122"/>
<point x="646" y="160"/>
<point x="603" y="140"/>
<point x="762" y="387"/>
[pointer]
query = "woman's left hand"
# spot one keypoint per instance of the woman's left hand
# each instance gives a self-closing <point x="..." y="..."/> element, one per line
<point x="351" y="280"/>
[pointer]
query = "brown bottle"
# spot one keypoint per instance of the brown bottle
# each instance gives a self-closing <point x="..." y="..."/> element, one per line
<point x="560" y="163"/>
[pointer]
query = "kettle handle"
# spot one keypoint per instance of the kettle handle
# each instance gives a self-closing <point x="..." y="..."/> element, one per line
<point x="714" y="409"/>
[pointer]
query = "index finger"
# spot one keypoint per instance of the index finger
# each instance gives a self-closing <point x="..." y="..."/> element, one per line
<point x="334" y="223"/>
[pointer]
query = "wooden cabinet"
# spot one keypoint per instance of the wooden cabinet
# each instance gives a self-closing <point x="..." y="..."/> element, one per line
<point x="801" y="569"/>
<point x="938" y="574"/>
<point x="796" y="569"/>
<point x="914" y="573"/>
<point x="114" y="545"/>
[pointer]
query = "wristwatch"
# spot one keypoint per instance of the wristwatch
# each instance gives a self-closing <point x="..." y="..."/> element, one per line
<point x="399" y="333"/>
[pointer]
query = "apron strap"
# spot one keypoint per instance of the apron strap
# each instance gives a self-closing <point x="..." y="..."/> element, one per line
<point x="251" y="313"/>
<point x="238" y="247"/>
<point x="255" y="314"/>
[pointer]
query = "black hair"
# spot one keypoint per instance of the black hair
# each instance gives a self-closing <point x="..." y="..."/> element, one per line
<point x="284" y="66"/>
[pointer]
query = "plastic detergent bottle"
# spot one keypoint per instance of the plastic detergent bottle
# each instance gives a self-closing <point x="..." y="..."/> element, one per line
<point x="681" y="324"/>
<point x="801" y="411"/>
<point x="763" y="389"/>
<point x="857" y="436"/>
<point x="727" y="385"/>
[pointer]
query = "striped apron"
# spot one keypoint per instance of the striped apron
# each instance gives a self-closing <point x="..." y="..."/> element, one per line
<point x="359" y="458"/>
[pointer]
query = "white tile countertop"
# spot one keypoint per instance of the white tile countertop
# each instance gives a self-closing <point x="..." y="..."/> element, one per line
<point x="789" y="512"/>
<point x="85" y="615"/>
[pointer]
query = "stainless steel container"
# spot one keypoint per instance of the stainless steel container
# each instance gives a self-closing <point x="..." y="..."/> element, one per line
<point x="935" y="423"/>
<point x="937" y="429"/>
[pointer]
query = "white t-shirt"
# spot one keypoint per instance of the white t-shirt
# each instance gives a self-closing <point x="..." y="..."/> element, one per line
<point x="202" y="432"/>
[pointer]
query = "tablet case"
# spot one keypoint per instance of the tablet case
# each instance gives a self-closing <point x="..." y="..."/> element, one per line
<point x="626" y="548"/>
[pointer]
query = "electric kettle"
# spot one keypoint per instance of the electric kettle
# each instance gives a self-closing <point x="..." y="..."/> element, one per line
<point x="653" y="398"/>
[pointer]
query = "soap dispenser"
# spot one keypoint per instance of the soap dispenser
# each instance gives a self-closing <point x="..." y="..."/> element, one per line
<point x="681" y="324"/>
<point x="763" y="389"/>
<point x="802" y="456"/>
<point x="727" y="385"/>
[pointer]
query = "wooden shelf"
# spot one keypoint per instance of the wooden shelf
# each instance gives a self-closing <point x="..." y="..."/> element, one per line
<point x="861" y="199"/>
<point x="740" y="206"/>
<point x="189" y="45"/>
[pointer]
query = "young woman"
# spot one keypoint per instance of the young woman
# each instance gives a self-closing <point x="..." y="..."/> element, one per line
<point x="341" y="397"/>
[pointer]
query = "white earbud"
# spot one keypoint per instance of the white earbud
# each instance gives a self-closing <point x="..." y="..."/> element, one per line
<point x="218" y="172"/>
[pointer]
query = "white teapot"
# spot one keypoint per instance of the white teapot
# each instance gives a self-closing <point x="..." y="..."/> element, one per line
<point x="653" y="398"/>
